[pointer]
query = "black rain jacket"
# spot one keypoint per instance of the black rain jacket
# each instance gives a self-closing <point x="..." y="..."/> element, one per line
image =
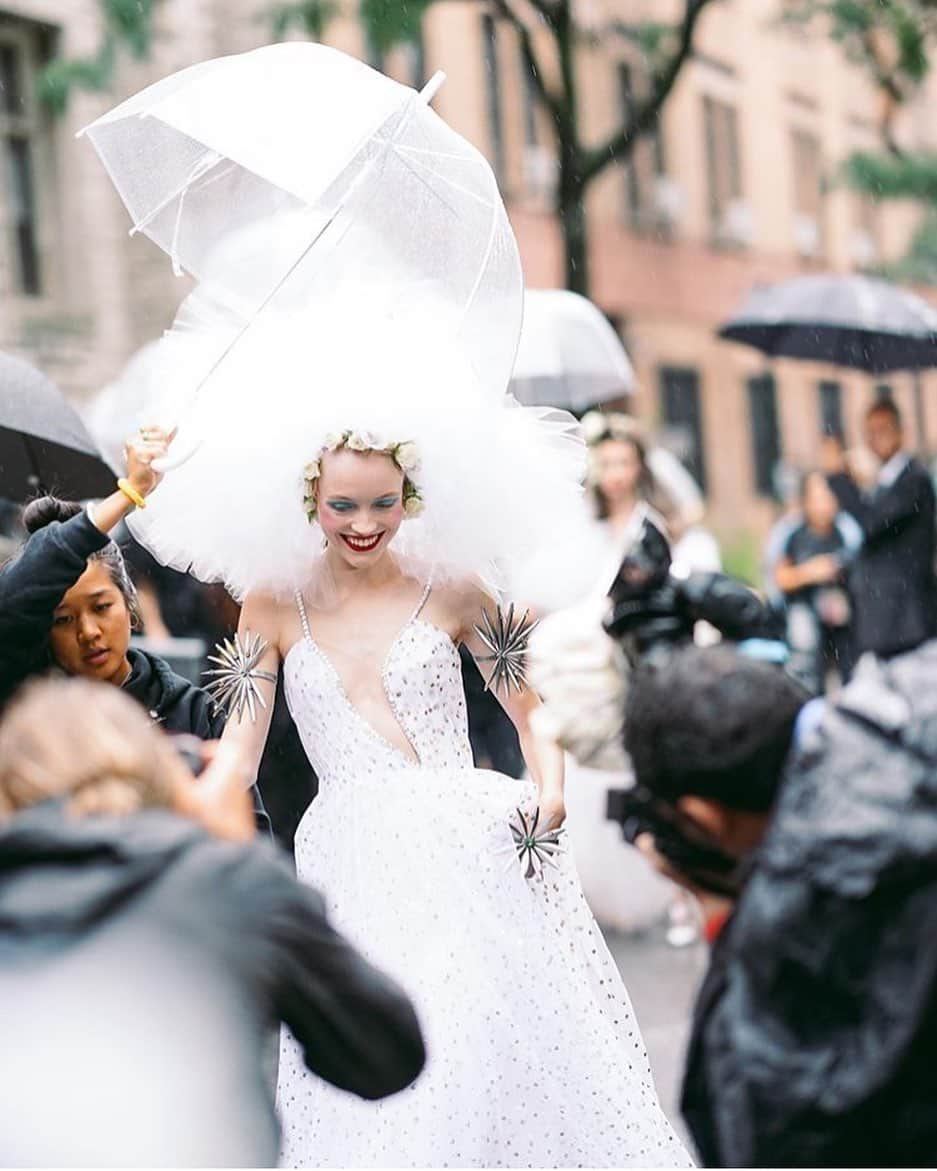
<point x="816" y="1027"/>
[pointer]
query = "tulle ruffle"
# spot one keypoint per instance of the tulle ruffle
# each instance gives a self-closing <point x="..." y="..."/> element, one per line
<point x="502" y="484"/>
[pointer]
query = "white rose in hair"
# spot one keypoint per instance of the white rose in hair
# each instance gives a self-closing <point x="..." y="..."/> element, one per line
<point x="593" y="424"/>
<point x="407" y="456"/>
<point x="333" y="442"/>
<point x="412" y="506"/>
<point x="311" y="470"/>
<point x="356" y="442"/>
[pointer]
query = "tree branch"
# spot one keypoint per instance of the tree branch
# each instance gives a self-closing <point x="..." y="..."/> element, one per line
<point x="550" y="100"/>
<point x="620" y="143"/>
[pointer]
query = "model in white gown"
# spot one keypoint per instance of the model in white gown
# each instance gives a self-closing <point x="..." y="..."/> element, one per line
<point x="535" y="1057"/>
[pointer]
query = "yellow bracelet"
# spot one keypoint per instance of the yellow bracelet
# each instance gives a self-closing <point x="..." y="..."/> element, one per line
<point x="131" y="493"/>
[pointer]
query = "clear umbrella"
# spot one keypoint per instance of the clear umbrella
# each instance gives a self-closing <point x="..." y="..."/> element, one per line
<point x="293" y="177"/>
<point x="569" y="355"/>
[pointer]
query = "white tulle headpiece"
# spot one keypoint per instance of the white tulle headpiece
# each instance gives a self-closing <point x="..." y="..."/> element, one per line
<point x="357" y="275"/>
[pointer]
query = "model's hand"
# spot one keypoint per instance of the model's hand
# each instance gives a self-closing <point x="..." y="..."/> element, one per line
<point x="148" y="445"/>
<point x="552" y="811"/>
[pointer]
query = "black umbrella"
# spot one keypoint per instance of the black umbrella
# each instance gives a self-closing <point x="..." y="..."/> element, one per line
<point x="851" y="321"/>
<point x="43" y="442"/>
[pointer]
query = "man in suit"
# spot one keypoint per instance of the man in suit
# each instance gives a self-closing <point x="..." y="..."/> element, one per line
<point x="892" y="581"/>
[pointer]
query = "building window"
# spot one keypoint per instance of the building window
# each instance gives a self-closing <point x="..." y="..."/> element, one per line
<point x="645" y="166"/>
<point x="19" y="137"/>
<point x="884" y="393"/>
<point x="809" y="194"/>
<point x="680" y="408"/>
<point x="728" y="215"/>
<point x="493" y="92"/>
<point x="766" y="434"/>
<point x="831" y="409"/>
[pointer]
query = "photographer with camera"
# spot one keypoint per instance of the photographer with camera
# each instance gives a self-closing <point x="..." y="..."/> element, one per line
<point x="148" y="945"/>
<point x="810" y="833"/>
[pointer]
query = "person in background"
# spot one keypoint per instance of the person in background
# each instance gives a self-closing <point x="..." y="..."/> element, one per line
<point x="622" y="891"/>
<point x="148" y="945"/>
<point x="67" y="601"/>
<point x="892" y="582"/>
<point x="811" y="575"/>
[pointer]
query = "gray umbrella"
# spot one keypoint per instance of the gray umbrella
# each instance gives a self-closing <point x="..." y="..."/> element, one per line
<point x="43" y="442"/>
<point x="851" y="321"/>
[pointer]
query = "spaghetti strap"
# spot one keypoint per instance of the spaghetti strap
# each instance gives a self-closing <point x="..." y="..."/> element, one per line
<point x="424" y="598"/>
<point x="301" y="607"/>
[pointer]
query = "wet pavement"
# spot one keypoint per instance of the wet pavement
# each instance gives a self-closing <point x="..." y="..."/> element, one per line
<point x="662" y="982"/>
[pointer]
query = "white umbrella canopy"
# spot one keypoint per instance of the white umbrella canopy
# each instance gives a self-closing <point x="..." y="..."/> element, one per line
<point x="292" y="177"/>
<point x="569" y="355"/>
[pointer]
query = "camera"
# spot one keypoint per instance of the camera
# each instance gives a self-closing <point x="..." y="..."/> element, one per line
<point x="652" y="612"/>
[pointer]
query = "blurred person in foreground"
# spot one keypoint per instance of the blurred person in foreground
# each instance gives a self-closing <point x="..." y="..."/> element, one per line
<point x="67" y="601"/>
<point x="892" y="582"/>
<point x="811" y="575"/>
<point x="815" y="1029"/>
<point x="147" y="946"/>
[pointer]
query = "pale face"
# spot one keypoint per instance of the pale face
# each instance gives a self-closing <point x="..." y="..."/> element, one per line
<point x="91" y="628"/>
<point x="360" y="504"/>
<point x="618" y="470"/>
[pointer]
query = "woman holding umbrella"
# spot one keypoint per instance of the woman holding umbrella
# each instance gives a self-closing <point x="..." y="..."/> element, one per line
<point x="67" y="601"/>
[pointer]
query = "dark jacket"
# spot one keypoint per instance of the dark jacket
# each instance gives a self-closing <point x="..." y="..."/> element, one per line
<point x="816" y="1028"/>
<point x="142" y="965"/>
<point x="31" y="587"/>
<point x="892" y="580"/>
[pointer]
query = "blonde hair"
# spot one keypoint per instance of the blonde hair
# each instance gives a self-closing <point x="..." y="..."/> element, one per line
<point x="84" y="741"/>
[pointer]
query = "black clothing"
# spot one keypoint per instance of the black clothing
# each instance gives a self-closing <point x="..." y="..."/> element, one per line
<point x="175" y="703"/>
<point x="159" y="958"/>
<point x="31" y="587"/>
<point x="816" y="1027"/>
<point x="805" y="543"/>
<point x="892" y="581"/>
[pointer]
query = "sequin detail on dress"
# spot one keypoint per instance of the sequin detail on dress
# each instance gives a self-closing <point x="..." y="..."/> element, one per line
<point x="535" y="1058"/>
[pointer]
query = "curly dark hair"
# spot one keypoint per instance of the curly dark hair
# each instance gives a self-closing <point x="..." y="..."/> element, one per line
<point x="712" y="723"/>
<point x="46" y="510"/>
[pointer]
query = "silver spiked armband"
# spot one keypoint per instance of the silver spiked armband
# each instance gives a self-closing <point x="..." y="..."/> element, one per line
<point x="507" y="639"/>
<point x="234" y="687"/>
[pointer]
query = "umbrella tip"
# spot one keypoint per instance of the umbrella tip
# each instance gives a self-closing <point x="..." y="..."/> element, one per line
<point x="432" y="87"/>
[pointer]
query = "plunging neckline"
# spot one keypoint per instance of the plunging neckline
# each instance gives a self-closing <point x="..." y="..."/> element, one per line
<point x="413" y="761"/>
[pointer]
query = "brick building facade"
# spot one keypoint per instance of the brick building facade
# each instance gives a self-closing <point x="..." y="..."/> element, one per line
<point x="736" y="186"/>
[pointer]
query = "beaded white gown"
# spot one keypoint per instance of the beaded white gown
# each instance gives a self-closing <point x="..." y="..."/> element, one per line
<point x="534" y="1054"/>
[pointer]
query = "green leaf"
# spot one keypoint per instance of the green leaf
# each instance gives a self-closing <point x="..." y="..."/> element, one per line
<point x="130" y="22"/>
<point x="55" y="82"/>
<point x="392" y="22"/>
<point x="886" y="176"/>
<point x="311" y="17"/>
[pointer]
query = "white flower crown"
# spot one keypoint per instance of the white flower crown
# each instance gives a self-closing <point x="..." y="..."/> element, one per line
<point x="405" y="455"/>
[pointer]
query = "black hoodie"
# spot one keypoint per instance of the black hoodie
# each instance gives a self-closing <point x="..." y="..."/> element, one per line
<point x="142" y="964"/>
<point x="31" y="587"/>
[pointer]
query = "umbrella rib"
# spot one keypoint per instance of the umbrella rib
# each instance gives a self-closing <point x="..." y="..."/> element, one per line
<point x="455" y="186"/>
<point x="429" y="187"/>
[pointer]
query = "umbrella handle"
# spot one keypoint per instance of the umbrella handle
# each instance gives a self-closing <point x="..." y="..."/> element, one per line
<point x="432" y="87"/>
<point x="177" y="456"/>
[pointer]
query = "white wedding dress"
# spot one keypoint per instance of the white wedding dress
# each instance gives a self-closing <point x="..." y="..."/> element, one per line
<point x="534" y="1054"/>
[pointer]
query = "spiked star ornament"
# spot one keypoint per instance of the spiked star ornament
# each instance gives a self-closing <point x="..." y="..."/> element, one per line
<point x="234" y="687"/>
<point x="534" y="850"/>
<point x="507" y="638"/>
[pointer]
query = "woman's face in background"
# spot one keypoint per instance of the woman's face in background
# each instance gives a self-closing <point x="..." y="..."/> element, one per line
<point x="618" y="470"/>
<point x="90" y="632"/>
<point x="820" y="505"/>
<point x="360" y="504"/>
